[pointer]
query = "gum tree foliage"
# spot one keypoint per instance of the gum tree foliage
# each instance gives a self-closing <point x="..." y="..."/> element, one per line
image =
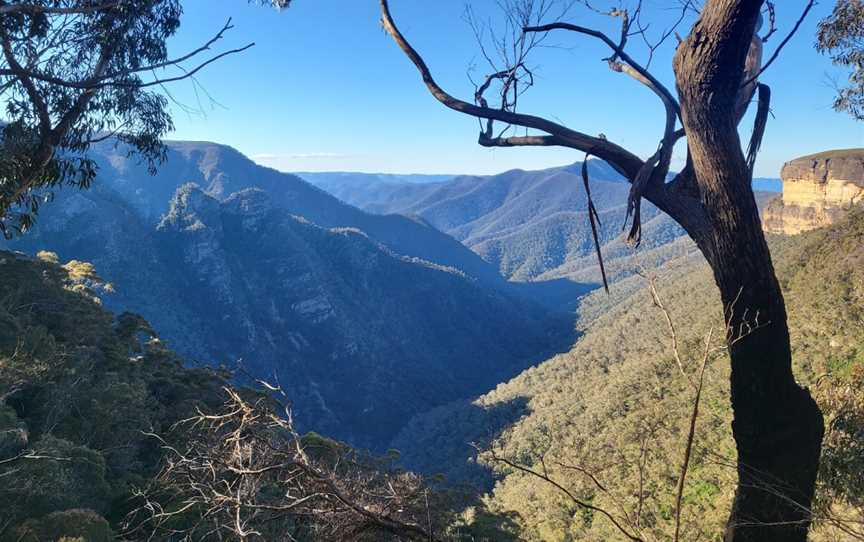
<point x="77" y="72"/>
<point x="841" y="36"/>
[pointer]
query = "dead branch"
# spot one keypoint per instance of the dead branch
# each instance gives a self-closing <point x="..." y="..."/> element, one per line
<point x="594" y="220"/>
<point x="617" y="522"/>
<point x="648" y="177"/>
<point x="691" y="434"/>
<point x="245" y="472"/>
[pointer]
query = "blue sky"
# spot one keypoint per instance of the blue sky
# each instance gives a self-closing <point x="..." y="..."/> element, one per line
<point x="326" y="89"/>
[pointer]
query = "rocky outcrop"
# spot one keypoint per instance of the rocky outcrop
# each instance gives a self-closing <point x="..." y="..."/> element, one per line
<point x="817" y="190"/>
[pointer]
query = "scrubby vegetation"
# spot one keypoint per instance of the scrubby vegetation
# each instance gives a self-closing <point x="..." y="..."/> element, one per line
<point x="105" y="435"/>
<point x="608" y="421"/>
<point x="79" y="388"/>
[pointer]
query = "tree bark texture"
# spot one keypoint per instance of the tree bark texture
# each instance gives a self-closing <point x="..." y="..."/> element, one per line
<point x="777" y="426"/>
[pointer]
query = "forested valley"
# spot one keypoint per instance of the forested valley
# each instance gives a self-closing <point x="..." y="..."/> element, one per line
<point x="557" y="335"/>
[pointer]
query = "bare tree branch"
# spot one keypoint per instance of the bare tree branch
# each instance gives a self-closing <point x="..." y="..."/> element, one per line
<point x="783" y="43"/>
<point x="620" y="158"/>
<point x="691" y="434"/>
<point x="120" y="79"/>
<point x="630" y="66"/>
<point x="246" y="471"/>
<point x="576" y="500"/>
<point x="648" y="177"/>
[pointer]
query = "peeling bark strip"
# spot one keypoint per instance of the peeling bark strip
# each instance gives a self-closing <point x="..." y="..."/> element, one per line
<point x="777" y="426"/>
<point x="594" y="219"/>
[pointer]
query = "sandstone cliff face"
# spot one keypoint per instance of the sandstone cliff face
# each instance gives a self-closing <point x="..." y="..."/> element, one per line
<point x="817" y="190"/>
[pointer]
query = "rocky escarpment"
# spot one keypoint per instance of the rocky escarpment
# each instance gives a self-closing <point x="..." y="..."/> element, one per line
<point x="817" y="190"/>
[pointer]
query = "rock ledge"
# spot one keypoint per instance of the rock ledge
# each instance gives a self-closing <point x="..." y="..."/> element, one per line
<point x="818" y="189"/>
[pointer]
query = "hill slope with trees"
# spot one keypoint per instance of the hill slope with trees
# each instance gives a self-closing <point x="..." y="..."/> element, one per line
<point x="78" y="390"/>
<point x="531" y="225"/>
<point x="221" y="171"/>
<point x="105" y="435"/>
<point x="528" y="224"/>
<point x="617" y="406"/>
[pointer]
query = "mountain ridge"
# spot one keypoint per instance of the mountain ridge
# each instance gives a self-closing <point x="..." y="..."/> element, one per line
<point x="527" y="224"/>
<point x="221" y="170"/>
<point x="335" y="311"/>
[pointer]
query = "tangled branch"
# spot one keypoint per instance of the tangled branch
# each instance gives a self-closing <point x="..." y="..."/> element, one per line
<point x="245" y="473"/>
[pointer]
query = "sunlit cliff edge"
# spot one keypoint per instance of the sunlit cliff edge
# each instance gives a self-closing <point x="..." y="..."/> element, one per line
<point x="818" y="189"/>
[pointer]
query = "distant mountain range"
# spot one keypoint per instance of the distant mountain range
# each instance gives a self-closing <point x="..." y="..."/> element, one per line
<point x="767" y="184"/>
<point x="366" y="320"/>
<point x="221" y="170"/>
<point x="531" y="225"/>
<point x="528" y="224"/>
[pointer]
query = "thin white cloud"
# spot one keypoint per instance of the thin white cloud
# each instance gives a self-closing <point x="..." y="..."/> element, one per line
<point x="301" y="156"/>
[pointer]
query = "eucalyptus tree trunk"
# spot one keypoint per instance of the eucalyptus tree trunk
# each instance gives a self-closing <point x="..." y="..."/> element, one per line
<point x="777" y="426"/>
